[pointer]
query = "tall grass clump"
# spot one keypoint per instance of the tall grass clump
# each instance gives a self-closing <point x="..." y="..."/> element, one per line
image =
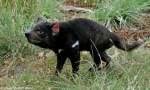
<point x="16" y="17"/>
<point x="120" y="12"/>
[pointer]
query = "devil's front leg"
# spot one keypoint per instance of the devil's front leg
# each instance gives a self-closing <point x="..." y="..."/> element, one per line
<point x="61" y="58"/>
<point x="74" y="56"/>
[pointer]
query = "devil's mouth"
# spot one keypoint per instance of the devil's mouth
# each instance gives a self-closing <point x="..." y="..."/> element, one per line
<point x="34" y="41"/>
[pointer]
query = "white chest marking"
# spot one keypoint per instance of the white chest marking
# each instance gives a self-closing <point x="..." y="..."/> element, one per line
<point x="60" y="50"/>
<point x="75" y="44"/>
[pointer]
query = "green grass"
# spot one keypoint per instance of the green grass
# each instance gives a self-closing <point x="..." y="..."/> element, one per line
<point x="129" y="71"/>
<point x="127" y="12"/>
<point x="15" y="18"/>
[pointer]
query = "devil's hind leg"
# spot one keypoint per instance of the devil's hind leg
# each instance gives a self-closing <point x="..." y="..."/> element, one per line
<point x="106" y="58"/>
<point x="96" y="58"/>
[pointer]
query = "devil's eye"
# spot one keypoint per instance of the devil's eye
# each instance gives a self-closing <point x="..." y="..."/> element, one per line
<point x="40" y="32"/>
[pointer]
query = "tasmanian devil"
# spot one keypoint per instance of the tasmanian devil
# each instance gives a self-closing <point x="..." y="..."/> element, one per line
<point x="67" y="39"/>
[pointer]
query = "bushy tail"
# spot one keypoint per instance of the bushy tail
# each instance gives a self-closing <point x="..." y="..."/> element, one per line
<point x="119" y="43"/>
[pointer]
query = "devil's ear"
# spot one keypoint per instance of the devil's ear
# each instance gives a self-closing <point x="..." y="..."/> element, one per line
<point x="40" y="19"/>
<point x="55" y="28"/>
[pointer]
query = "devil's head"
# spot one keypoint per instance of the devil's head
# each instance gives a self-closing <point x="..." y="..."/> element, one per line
<point x="42" y="34"/>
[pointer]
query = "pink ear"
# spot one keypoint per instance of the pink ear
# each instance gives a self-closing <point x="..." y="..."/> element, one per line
<point x="55" y="27"/>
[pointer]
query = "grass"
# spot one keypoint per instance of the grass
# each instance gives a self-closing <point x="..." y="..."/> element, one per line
<point x="24" y="65"/>
<point x="128" y="71"/>
<point x="16" y="17"/>
<point x="121" y="12"/>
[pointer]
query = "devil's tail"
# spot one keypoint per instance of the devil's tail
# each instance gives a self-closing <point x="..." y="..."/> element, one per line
<point x="119" y="43"/>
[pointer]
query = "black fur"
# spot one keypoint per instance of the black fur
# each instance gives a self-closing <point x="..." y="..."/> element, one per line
<point x="77" y="30"/>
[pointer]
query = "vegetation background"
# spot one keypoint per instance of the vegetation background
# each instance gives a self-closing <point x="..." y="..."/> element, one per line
<point x="25" y="65"/>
